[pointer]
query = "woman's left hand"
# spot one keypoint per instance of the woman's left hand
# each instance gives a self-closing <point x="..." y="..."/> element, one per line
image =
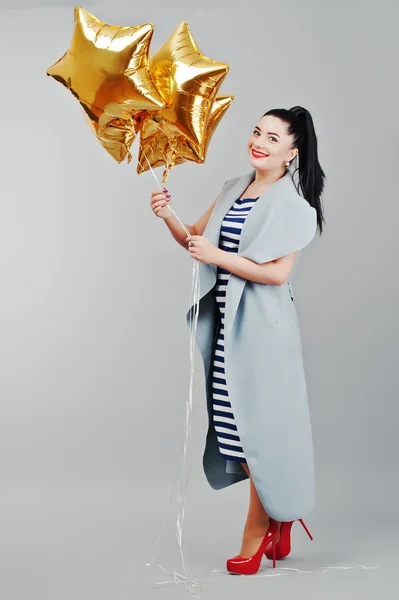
<point x="204" y="250"/>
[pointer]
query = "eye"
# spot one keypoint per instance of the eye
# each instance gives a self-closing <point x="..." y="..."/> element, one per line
<point x="272" y="137"/>
<point x="256" y="131"/>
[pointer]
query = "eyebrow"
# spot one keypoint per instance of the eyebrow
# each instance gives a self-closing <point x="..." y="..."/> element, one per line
<point x="270" y="132"/>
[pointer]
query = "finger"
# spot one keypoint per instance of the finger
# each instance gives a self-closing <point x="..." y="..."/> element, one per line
<point x="162" y="191"/>
<point x="159" y="203"/>
<point x="162" y="198"/>
<point x="158" y="197"/>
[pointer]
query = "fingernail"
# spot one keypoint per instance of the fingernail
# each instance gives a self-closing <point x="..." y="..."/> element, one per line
<point x="167" y="200"/>
<point x="164" y="190"/>
<point x="162" y="205"/>
<point x="168" y="195"/>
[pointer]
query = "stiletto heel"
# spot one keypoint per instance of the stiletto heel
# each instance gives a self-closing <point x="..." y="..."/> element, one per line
<point x="306" y="529"/>
<point x="250" y="565"/>
<point x="283" y="546"/>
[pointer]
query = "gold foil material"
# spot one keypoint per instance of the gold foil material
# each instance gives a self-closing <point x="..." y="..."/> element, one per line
<point x="106" y="66"/>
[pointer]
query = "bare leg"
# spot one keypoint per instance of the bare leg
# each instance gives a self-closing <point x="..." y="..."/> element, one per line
<point x="257" y="521"/>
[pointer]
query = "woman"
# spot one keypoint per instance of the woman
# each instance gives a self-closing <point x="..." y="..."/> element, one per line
<point x="247" y="244"/>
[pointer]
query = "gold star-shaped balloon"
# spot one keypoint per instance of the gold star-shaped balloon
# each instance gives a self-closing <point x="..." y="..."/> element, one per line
<point x="106" y="64"/>
<point x="188" y="82"/>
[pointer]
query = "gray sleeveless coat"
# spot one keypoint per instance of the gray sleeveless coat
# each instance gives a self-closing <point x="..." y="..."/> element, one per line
<point x="263" y="354"/>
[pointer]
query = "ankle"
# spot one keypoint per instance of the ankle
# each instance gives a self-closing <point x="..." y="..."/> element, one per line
<point x="255" y="528"/>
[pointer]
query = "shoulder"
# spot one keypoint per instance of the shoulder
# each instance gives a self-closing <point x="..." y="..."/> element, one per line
<point x="291" y="211"/>
<point x="299" y="215"/>
<point x="297" y="203"/>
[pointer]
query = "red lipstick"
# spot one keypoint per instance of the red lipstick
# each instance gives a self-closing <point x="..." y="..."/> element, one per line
<point x="256" y="155"/>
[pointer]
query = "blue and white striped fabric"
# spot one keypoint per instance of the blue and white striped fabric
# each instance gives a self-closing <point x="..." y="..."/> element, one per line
<point x="223" y="418"/>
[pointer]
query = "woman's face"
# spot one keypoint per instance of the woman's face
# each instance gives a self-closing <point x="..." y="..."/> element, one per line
<point x="270" y="138"/>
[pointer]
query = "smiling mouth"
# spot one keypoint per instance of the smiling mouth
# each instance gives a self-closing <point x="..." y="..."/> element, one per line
<point x="259" y="154"/>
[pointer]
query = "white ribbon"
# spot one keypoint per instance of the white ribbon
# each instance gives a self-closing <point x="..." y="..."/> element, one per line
<point x="190" y="583"/>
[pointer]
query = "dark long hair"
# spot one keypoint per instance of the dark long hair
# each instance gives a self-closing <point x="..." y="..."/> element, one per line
<point x="311" y="175"/>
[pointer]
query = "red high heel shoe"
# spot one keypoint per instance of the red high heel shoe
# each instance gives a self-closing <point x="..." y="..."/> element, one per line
<point x="283" y="547"/>
<point x="250" y="565"/>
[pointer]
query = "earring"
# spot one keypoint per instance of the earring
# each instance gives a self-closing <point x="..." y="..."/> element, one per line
<point x="287" y="164"/>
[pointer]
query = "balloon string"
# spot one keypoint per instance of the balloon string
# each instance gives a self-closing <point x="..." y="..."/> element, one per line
<point x="190" y="583"/>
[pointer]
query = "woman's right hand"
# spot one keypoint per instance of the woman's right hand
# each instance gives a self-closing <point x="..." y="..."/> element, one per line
<point x="160" y="203"/>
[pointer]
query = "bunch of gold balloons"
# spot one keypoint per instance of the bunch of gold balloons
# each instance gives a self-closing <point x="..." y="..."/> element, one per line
<point x="169" y="98"/>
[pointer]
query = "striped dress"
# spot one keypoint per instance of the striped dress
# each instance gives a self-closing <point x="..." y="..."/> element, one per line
<point x="223" y="418"/>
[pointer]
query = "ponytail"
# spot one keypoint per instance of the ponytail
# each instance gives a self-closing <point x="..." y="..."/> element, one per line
<point x="310" y="174"/>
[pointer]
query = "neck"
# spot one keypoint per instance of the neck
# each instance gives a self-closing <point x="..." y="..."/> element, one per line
<point x="265" y="178"/>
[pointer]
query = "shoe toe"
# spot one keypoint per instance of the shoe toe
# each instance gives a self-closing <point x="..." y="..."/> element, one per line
<point x="238" y="564"/>
<point x="230" y="562"/>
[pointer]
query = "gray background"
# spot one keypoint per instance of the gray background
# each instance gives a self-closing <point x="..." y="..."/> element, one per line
<point x="94" y="290"/>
